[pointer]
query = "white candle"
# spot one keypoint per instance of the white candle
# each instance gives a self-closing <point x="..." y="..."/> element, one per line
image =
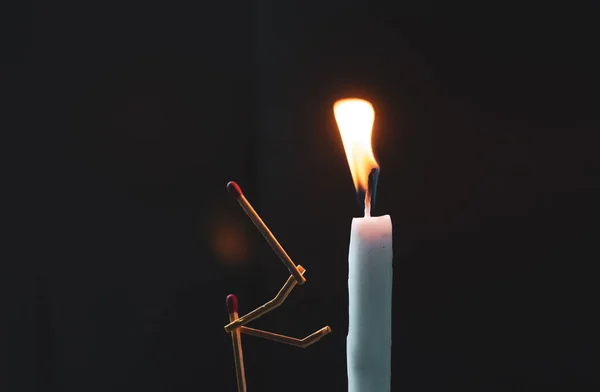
<point x="369" y="342"/>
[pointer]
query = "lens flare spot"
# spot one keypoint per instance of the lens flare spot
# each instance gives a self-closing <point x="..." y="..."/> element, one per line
<point x="229" y="242"/>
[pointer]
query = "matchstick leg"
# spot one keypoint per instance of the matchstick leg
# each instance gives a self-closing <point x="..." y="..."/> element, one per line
<point x="302" y="343"/>
<point x="236" y="340"/>
<point x="269" y="306"/>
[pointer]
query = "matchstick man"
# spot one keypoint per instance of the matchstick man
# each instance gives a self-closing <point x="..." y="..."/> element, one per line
<point x="237" y="324"/>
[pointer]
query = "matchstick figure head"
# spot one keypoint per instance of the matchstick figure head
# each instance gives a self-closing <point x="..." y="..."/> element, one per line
<point x="232" y="303"/>
<point x="234" y="189"/>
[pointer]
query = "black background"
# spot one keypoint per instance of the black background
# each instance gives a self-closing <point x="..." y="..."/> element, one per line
<point x="126" y="119"/>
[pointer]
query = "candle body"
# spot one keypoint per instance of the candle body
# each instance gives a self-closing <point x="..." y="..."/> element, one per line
<point x="369" y="341"/>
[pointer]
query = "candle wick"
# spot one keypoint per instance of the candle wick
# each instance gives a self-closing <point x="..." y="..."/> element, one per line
<point x="371" y="190"/>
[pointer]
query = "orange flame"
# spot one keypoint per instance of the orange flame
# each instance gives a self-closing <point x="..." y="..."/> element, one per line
<point x="355" y="119"/>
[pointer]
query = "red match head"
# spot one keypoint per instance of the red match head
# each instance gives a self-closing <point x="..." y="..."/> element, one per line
<point x="232" y="302"/>
<point x="234" y="189"/>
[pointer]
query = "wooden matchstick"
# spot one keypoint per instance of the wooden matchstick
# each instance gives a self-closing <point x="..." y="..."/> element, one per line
<point x="235" y="190"/>
<point x="272" y="304"/>
<point x="303" y="343"/>
<point x="236" y="340"/>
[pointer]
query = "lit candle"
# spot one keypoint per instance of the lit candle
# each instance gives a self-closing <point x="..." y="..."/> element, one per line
<point x="369" y="341"/>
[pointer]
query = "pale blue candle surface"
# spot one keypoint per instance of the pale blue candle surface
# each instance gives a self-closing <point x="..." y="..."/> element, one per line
<point x="369" y="341"/>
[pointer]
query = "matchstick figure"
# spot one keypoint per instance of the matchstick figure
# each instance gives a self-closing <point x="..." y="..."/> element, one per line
<point x="237" y="324"/>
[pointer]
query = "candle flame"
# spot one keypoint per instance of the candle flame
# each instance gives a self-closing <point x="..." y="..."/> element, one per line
<point x="355" y="119"/>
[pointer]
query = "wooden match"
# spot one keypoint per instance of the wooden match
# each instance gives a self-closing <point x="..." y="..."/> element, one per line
<point x="236" y="340"/>
<point x="272" y="304"/>
<point x="235" y="190"/>
<point x="303" y="343"/>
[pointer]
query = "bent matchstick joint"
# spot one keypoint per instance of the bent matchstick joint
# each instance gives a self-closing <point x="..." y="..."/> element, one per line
<point x="269" y="306"/>
<point x="237" y="324"/>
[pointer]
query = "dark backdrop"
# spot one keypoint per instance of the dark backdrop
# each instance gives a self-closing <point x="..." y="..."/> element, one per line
<point x="130" y="117"/>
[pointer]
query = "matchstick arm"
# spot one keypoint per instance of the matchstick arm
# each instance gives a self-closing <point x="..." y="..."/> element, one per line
<point x="234" y="188"/>
<point x="302" y="343"/>
<point x="266" y="308"/>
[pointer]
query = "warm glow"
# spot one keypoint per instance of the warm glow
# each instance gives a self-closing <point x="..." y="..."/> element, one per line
<point x="355" y="119"/>
<point x="229" y="241"/>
